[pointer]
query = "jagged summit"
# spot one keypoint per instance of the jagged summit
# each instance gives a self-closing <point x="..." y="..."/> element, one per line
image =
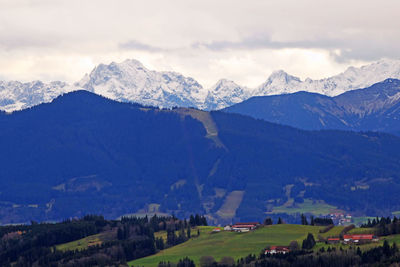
<point x="15" y="95"/>
<point x="225" y="93"/>
<point x="279" y="82"/>
<point x="131" y="81"/>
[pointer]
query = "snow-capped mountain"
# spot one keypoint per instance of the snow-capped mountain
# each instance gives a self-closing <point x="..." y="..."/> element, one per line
<point x="16" y="95"/>
<point x="279" y="82"/>
<point x="130" y="81"/>
<point x="225" y="93"/>
<point x="353" y="78"/>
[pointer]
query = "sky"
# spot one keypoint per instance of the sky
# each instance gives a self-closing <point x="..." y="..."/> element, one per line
<point x="243" y="41"/>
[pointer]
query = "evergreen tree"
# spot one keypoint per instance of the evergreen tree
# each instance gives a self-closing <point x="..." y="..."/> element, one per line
<point x="386" y="248"/>
<point x="171" y="237"/>
<point x="304" y="220"/>
<point x="395" y="249"/>
<point x="197" y="219"/>
<point x="192" y="221"/>
<point x="268" y="221"/>
<point x="186" y="262"/>
<point x="309" y="242"/>
<point x="182" y="236"/>
<point x="160" y="243"/>
<point x="120" y="234"/>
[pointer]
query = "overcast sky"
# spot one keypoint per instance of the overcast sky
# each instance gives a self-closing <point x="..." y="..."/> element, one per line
<point x="206" y="39"/>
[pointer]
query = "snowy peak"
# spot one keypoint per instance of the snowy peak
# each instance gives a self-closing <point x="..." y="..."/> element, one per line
<point x="279" y="82"/>
<point x="225" y="93"/>
<point x="130" y="81"/>
<point x="353" y="78"/>
<point x="281" y="75"/>
<point x="16" y="95"/>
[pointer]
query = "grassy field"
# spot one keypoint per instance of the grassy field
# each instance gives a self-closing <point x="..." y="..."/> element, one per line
<point x="362" y="231"/>
<point x="86" y="242"/>
<point x="334" y="232"/>
<point x="309" y="206"/>
<point x="232" y="244"/>
<point x="92" y="240"/>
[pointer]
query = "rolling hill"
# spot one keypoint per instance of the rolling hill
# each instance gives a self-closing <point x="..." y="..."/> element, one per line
<point x="84" y="153"/>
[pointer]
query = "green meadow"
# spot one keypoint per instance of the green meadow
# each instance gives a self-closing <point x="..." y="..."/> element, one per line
<point x="235" y="245"/>
<point x="231" y="244"/>
<point x="307" y="207"/>
<point x="83" y="243"/>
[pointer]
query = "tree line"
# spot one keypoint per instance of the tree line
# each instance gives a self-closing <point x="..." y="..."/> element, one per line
<point x="384" y="226"/>
<point x="130" y="238"/>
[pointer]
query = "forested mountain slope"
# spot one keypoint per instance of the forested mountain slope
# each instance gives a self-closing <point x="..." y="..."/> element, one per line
<point x="83" y="153"/>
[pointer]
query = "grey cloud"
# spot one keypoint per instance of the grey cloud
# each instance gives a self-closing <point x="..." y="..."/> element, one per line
<point x="350" y="48"/>
<point x="265" y="42"/>
<point x="22" y="42"/>
<point x="136" y="45"/>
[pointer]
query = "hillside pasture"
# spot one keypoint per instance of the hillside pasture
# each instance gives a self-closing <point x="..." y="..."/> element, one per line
<point x="231" y="244"/>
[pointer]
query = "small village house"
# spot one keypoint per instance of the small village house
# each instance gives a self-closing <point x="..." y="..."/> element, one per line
<point x="277" y="249"/>
<point x="245" y="227"/>
<point x="359" y="238"/>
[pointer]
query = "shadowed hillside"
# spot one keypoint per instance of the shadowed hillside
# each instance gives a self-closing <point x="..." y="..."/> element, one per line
<point x="376" y="108"/>
<point x="87" y="154"/>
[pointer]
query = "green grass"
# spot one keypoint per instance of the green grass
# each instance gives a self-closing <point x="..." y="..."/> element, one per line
<point x="356" y="231"/>
<point x="163" y="234"/>
<point x="309" y="206"/>
<point x="231" y="244"/>
<point x="334" y="232"/>
<point x="88" y="241"/>
<point x="81" y="244"/>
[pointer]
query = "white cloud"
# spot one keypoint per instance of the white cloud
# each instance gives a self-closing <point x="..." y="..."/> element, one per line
<point x="239" y="40"/>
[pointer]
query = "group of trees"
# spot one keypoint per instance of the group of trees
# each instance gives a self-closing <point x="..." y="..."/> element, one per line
<point x="309" y="242"/>
<point x="315" y="221"/>
<point x="129" y="238"/>
<point x="205" y="261"/>
<point x="185" y="262"/>
<point x="384" y="226"/>
<point x="269" y="221"/>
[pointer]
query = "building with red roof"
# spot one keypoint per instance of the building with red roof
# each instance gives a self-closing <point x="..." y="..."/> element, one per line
<point x="358" y="238"/>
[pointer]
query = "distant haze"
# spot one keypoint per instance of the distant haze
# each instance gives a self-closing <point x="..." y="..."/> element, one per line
<point x="243" y="41"/>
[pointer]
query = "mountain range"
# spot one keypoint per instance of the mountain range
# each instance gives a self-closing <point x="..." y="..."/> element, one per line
<point x="130" y="81"/>
<point x="376" y="108"/>
<point x="84" y="153"/>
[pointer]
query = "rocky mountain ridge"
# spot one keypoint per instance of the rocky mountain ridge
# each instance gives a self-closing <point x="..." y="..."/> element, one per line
<point x="131" y="81"/>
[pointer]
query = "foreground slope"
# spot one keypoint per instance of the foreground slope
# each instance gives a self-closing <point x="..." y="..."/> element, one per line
<point x="83" y="153"/>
